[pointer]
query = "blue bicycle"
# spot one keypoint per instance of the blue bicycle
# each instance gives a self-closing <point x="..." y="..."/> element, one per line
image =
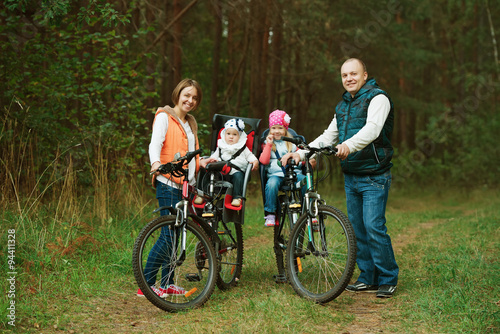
<point x="321" y="248"/>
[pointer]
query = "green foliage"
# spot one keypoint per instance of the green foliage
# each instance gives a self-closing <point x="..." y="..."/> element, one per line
<point x="69" y="84"/>
<point x="74" y="72"/>
<point x="70" y="267"/>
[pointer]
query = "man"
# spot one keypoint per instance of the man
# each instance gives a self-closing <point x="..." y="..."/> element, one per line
<point x="362" y="125"/>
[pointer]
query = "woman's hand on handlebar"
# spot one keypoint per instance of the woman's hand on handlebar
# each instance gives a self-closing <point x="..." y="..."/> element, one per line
<point x="154" y="168"/>
<point x="286" y="157"/>
<point x="205" y="162"/>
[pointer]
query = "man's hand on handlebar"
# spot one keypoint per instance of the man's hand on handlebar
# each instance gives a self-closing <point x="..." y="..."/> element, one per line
<point x="286" y="157"/>
<point x="343" y="151"/>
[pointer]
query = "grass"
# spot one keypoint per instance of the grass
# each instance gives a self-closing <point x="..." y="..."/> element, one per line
<point x="74" y="273"/>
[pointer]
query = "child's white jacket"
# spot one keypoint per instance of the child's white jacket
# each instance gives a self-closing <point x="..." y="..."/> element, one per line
<point x="227" y="151"/>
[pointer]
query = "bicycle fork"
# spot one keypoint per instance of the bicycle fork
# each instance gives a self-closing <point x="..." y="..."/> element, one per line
<point x="180" y="222"/>
<point x="312" y="200"/>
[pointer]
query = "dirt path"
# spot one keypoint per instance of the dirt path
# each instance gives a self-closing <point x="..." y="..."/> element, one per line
<point x="372" y="314"/>
<point x="119" y="313"/>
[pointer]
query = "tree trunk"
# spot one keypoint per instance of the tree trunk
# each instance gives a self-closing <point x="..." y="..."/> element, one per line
<point x="177" y="47"/>
<point x="150" y="64"/>
<point x="275" y="75"/>
<point x="257" y="86"/>
<point x="217" y="12"/>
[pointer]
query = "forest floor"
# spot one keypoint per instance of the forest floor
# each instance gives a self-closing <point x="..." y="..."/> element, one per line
<point x="441" y="243"/>
<point x="123" y="312"/>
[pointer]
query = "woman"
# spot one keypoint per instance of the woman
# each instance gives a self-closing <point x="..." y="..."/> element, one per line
<point x="174" y="131"/>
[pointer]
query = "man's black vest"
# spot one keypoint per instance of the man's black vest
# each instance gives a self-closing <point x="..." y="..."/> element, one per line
<point x="351" y="114"/>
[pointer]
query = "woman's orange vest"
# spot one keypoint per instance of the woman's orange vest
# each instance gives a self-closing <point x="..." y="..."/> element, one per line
<point x="176" y="140"/>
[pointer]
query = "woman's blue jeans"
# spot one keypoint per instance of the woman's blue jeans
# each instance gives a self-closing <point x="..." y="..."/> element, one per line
<point x="160" y="254"/>
<point x="366" y="198"/>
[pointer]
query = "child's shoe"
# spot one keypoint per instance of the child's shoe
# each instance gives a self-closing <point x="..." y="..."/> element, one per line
<point x="270" y="220"/>
<point x="198" y="200"/>
<point x="236" y="202"/>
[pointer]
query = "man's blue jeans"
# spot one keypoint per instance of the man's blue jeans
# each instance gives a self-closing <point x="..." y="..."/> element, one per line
<point x="366" y="198"/>
<point x="159" y="255"/>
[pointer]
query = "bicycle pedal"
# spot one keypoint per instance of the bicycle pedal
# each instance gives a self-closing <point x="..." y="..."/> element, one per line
<point x="193" y="277"/>
<point x="280" y="278"/>
<point x="207" y="214"/>
<point x="295" y="206"/>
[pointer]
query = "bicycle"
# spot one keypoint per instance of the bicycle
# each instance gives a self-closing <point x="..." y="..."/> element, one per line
<point x="288" y="207"/>
<point x="225" y="220"/>
<point x="184" y="244"/>
<point x="219" y="214"/>
<point x="321" y="248"/>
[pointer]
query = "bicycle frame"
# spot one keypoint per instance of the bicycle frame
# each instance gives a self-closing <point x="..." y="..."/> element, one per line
<point x="311" y="198"/>
<point x="184" y="210"/>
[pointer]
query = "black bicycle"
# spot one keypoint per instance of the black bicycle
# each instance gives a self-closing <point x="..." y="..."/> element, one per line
<point x="321" y="247"/>
<point x="225" y="220"/>
<point x="180" y="248"/>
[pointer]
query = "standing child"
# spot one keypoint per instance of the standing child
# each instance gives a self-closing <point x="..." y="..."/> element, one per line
<point x="273" y="150"/>
<point x="232" y="147"/>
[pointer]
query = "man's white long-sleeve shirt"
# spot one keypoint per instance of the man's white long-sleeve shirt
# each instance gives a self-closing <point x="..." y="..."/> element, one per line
<point x="377" y="113"/>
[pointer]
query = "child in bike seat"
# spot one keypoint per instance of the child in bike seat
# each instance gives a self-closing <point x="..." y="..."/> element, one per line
<point x="274" y="148"/>
<point x="232" y="147"/>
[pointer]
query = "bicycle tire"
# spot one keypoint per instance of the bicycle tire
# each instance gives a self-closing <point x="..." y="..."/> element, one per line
<point x="322" y="275"/>
<point x="230" y="254"/>
<point x="197" y="274"/>
<point x="281" y="235"/>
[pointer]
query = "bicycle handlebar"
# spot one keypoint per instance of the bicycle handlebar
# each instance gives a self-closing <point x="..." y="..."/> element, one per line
<point x="177" y="164"/>
<point x="302" y="145"/>
<point x="296" y="141"/>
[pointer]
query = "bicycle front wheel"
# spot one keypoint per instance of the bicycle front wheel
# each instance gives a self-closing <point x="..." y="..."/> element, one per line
<point x="160" y="260"/>
<point x="231" y="254"/>
<point x="321" y="259"/>
<point x="282" y="229"/>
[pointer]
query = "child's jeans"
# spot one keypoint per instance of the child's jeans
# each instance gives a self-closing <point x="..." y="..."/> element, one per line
<point x="237" y="180"/>
<point x="273" y="185"/>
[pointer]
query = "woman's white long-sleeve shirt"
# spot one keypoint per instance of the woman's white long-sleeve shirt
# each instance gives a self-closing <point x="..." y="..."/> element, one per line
<point x="160" y="128"/>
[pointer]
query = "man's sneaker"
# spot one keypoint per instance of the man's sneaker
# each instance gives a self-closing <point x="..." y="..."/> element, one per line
<point x="270" y="220"/>
<point x="386" y="291"/>
<point x="361" y="287"/>
<point x="175" y="290"/>
<point x="160" y="292"/>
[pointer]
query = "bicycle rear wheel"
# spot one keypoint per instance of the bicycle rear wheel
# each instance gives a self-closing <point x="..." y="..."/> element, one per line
<point x="231" y="254"/>
<point x="158" y="261"/>
<point x="320" y="269"/>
